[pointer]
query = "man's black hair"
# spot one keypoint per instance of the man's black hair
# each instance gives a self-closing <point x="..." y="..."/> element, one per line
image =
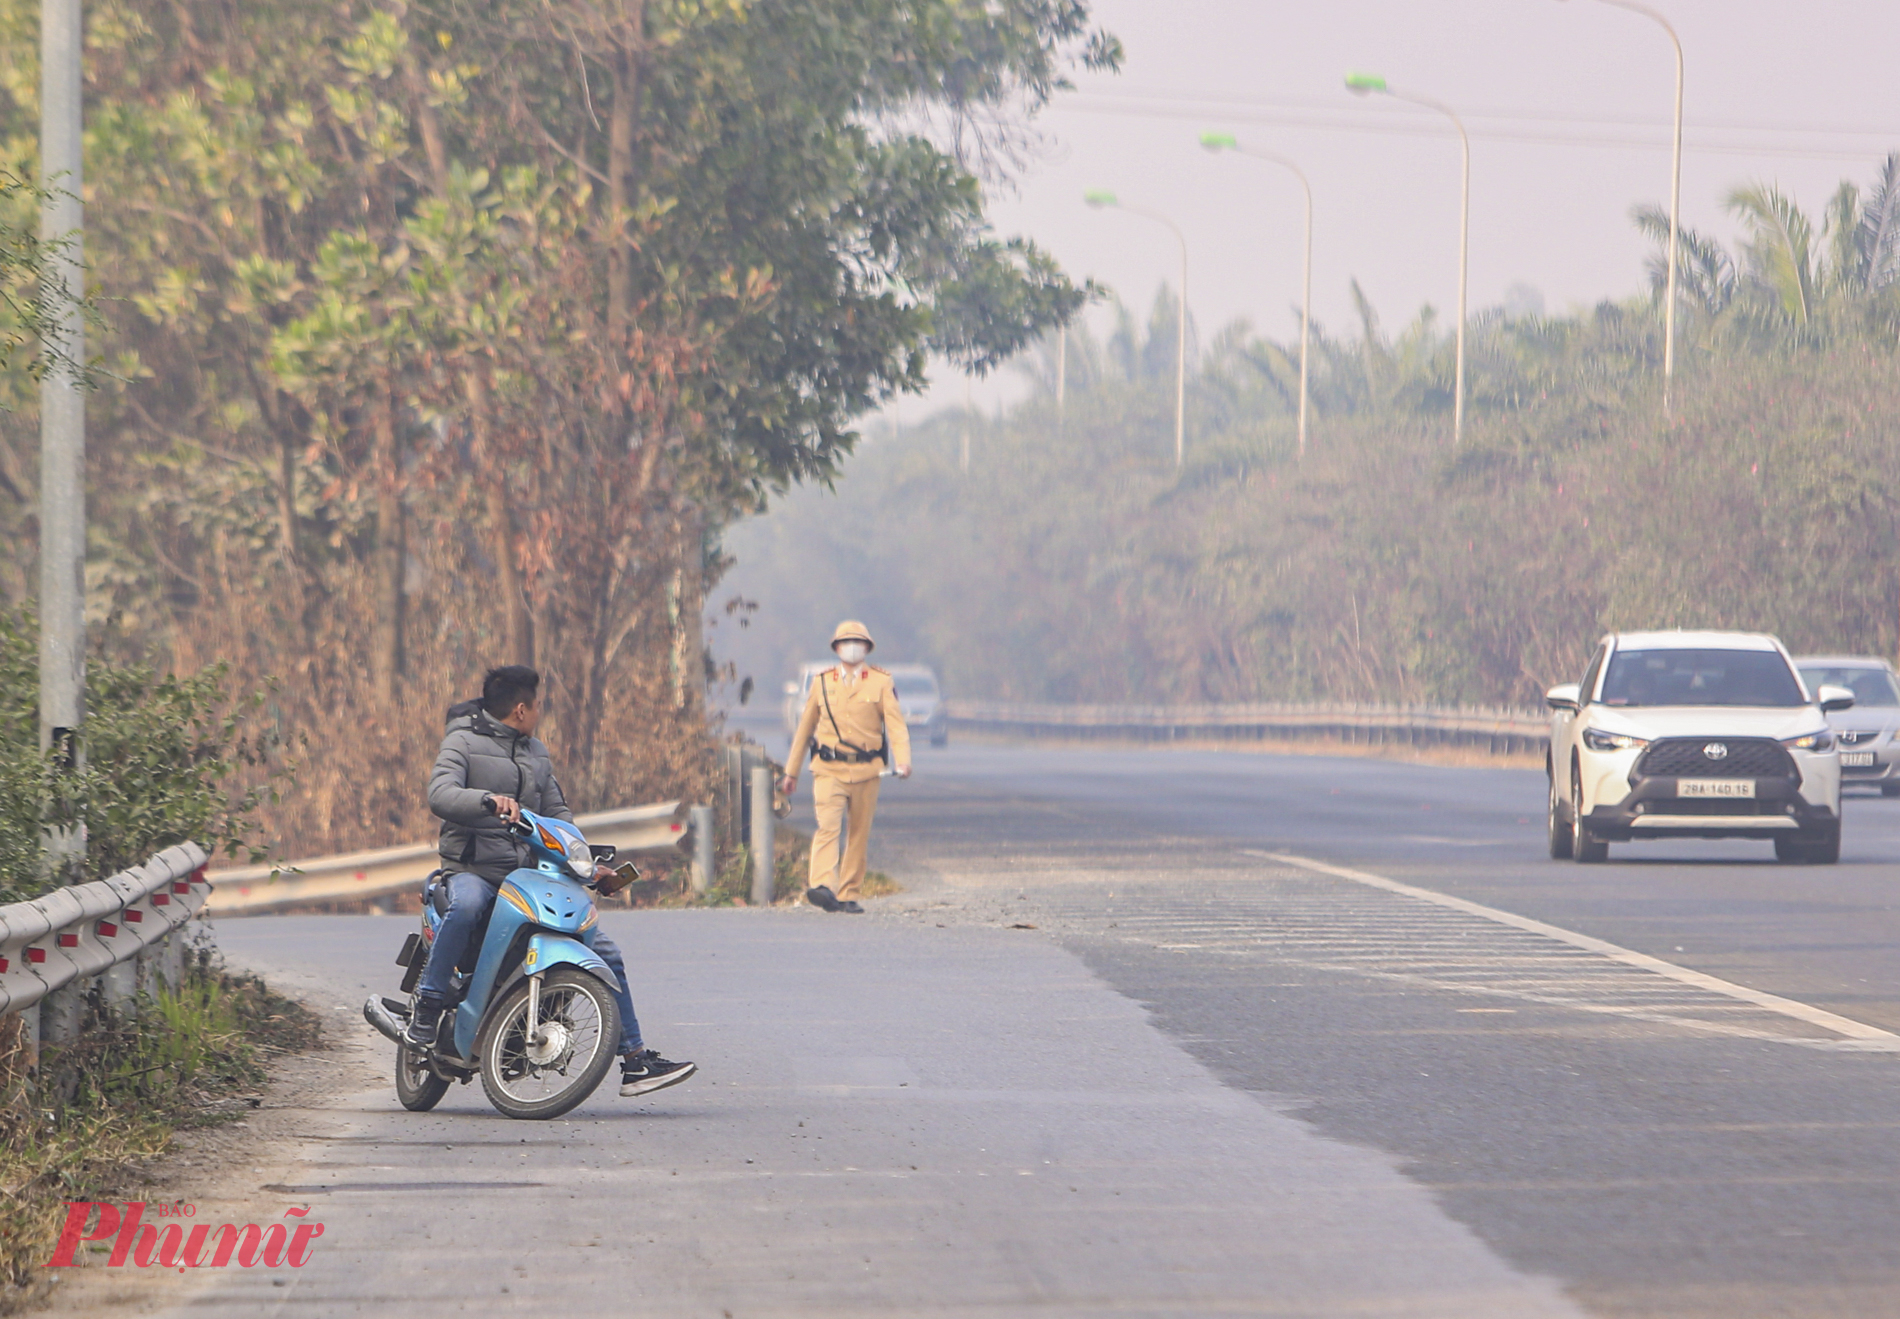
<point x="507" y="686"/>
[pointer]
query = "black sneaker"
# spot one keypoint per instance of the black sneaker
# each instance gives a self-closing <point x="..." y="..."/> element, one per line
<point x="851" y="907"/>
<point x="822" y="896"/>
<point x="423" y="1028"/>
<point x="644" y="1072"/>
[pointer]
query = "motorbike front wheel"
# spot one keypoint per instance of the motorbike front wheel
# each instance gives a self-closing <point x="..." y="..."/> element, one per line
<point x="417" y="1085"/>
<point x="545" y="1075"/>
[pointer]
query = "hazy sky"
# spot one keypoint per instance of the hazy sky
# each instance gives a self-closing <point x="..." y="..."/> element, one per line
<point x="1568" y="103"/>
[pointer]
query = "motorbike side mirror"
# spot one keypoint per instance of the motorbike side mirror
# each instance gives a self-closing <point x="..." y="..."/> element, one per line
<point x="1834" y="698"/>
<point x="1564" y="696"/>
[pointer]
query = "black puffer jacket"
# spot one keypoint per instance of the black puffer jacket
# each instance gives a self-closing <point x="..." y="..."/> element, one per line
<point x="482" y="755"/>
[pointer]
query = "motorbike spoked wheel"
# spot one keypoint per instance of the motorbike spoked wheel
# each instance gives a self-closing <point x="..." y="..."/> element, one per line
<point x="579" y="1029"/>
<point x="417" y="1086"/>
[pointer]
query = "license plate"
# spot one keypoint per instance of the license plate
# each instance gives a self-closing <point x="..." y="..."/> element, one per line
<point x="1715" y="787"/>
<point x="1856" y="759"/>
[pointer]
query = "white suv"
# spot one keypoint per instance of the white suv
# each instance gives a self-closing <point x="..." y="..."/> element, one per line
<point x="1693" y="735"/>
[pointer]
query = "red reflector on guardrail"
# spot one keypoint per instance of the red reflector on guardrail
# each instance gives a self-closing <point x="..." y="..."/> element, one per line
<point x="107" y="930"/>
<point x="161" y="899"/>
<point x="198" y="876"/>
<point x="69" y="941"/>
<point x="3" y="966"/>
<point x="181" y="886"/>
<point x="135" y="916"/>
<point x="36" y="955"/>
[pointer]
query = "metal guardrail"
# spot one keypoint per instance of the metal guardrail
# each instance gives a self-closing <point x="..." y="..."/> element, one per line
<point x="357" y="876"/>
<point x="106" y="926"/>
<point x="1501" y="731"/>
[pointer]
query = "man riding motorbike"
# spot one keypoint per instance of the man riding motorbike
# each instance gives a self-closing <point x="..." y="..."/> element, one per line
<point x="490" y="767"/>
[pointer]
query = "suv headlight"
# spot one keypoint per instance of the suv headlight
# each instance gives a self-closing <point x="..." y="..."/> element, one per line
<point x="1821" y="741"/>
<point x="1598" y="740"/>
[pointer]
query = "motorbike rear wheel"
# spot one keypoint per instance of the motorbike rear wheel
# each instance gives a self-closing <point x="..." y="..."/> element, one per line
<point x="580" y="1029"/>
<point x="417" y="1086"/>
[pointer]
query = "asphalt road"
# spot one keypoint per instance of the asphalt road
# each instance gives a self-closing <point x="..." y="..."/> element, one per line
<point x="1654" y="1170"/>
<point x="1206" y="1079"/>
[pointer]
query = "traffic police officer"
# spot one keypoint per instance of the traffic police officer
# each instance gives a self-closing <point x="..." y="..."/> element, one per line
<point x="853" y="727"/>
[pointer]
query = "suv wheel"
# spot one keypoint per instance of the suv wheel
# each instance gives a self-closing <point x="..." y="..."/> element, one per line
<point x="1585" y="847"/>
<point x="1824" y="850"/>
<point x="1559" y="827"/>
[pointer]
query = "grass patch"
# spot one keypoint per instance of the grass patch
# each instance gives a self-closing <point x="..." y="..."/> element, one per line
<point x="78" y="1123"/>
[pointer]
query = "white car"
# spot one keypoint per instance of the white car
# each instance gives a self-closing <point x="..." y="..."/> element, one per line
<point x="1693" y="735"/>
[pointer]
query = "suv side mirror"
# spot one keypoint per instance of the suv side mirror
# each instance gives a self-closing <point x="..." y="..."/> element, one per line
<point x="1833" y="698"/>
<point x="1564" y="696"/>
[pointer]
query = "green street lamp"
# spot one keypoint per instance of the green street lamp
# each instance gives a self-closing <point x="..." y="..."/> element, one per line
<point x="1100" y="200"/>
<point x="1218" y="142"/>
<point x="1675" y="200"/>
<point x="1365" y="84"/>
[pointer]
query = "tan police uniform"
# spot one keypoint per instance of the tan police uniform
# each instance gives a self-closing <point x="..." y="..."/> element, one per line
<point x="846" y="720"/>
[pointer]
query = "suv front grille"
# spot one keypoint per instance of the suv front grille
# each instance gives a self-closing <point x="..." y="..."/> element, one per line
<point x="1711" y="806"/>
<point x="1685" y="758"/>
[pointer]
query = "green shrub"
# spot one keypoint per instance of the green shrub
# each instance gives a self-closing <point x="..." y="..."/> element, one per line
<point x="162" y="754"/>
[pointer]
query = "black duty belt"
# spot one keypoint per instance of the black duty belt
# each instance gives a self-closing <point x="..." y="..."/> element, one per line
<point x="836" y="755"/>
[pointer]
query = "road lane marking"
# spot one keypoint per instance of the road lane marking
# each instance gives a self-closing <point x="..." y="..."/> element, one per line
<point x="1857" y="1036"/>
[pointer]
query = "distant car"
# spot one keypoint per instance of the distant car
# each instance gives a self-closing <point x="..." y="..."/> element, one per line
<point x="1866" y="733"/>
<point x="917" y="693"/>
<point x="1693" y="735"/>
<point x="922" y="700"/>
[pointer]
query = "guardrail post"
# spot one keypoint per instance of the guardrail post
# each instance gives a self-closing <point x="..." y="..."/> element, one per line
<point x="172" y="960"/>
<point x="702" y="826"/>
<point x="119" y="983"/>
<point x="62" y="1012"/>
<point x="761" y="839"/>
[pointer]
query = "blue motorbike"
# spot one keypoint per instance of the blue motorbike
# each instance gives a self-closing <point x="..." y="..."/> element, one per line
<point x="535" y="1015"/>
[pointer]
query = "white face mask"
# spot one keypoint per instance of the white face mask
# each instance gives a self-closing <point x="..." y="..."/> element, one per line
<point x="852" y="652"/>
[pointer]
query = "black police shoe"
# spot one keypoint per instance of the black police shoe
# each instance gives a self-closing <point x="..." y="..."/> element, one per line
<point x="851" y="907"/>
<point x="823" y="897"/>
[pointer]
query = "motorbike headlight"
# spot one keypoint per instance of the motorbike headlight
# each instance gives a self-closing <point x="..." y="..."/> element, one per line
<point x="1821" y="741"/>
<point x="1598" y="740"/>
<point x="580" y="857"/>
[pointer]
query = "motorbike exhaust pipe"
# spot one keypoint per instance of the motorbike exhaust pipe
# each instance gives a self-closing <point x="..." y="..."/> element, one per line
<point x="377" y="1014"/>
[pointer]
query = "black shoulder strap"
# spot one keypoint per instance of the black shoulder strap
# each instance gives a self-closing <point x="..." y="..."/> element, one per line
<point x="836" y="731"/>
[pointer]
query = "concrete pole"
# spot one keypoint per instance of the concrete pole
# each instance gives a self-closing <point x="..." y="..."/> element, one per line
<point x="62" y="601"/>
<point x="762" y="823"/>
<point x="702" y="826"/>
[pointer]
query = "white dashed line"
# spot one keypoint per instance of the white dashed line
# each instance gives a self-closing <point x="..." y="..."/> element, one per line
<point x="1585" y="986"/>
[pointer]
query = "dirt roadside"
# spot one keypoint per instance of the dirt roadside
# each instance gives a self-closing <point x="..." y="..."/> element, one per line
<point x="222" y="1171"/>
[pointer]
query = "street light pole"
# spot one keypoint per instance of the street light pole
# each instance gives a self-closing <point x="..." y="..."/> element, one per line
<point x="62" y="603"/>
<point x="1227" y="142"/>
<point x="1100" y="199"/>
<point x="1675" y="200"/>
<point x="1364" y="83"/>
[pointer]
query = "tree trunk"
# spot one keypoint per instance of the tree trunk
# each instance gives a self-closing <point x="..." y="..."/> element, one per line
<point x="518" y="623"/>
<point x="689" y="645"/>
<point x="623" y="120"/>
<point x="386" y="659"/>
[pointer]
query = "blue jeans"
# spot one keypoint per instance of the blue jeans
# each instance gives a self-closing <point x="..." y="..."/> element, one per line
<point x="470" y="898"/>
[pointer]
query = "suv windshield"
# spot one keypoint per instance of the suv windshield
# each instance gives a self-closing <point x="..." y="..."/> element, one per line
<point x="915" y="684"/>
<point x="1870" y="686"/>
<point x="1700" y="677"/>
